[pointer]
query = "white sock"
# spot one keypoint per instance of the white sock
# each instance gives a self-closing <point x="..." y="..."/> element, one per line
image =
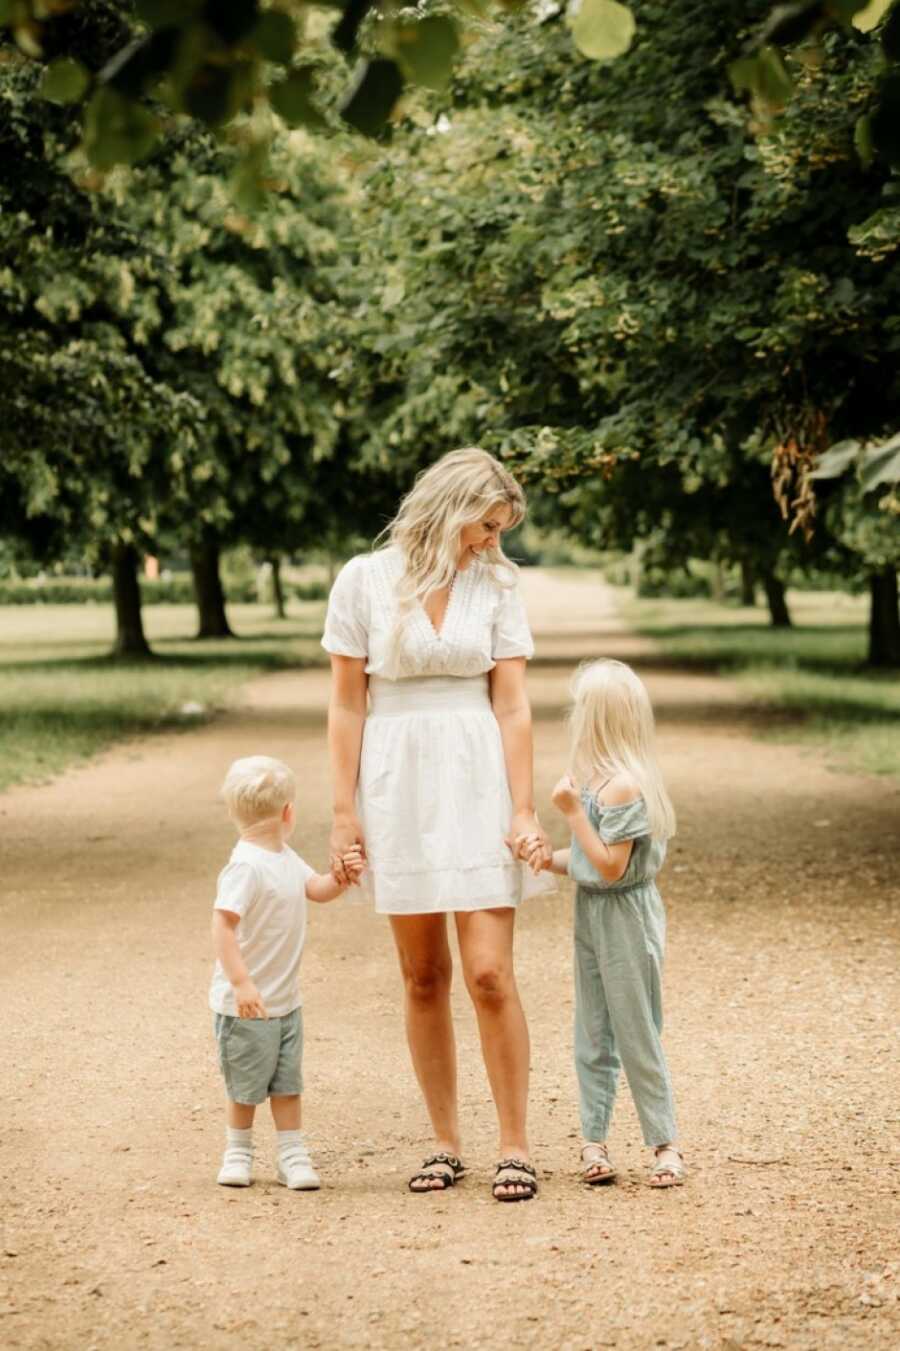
<point x="288" y="1140"/>
<point x="238" y="1139"/>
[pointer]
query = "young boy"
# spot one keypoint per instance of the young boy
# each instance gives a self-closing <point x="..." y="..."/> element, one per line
<point x="259" y="924"/>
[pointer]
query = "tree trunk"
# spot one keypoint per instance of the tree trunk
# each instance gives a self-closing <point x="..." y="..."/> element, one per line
<point x="778" y="610"/>
<point x="130" y="639"/>
<point x="884" y="619"/>
<point x="208" y="591"/>
<point x="717" y="582"/>
<point x="748" y="584"/>
<point x="277" y="588"/>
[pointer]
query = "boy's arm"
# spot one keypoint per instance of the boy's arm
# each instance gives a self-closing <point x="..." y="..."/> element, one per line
<point x="228" y="951"/>
<point x="327" y="886"/>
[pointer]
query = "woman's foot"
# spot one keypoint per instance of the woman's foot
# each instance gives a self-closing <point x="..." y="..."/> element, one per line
<point x="439" y="1172"/>
<point x="598" y="1167"/>
<point x="514" y="1180"/>
<point x="668" y="1169"/>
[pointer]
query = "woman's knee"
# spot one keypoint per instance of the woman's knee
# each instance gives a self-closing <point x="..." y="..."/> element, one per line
<point x="427" y="982"/>
<point x="490" y="983"/>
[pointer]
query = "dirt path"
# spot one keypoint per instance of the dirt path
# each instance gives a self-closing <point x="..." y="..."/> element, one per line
<point x="783" y="1008"/>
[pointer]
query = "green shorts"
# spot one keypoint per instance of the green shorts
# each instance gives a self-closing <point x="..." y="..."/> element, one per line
<point x="260" y="1057"/>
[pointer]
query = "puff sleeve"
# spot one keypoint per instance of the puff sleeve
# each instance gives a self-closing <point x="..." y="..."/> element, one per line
<point x="510" y="634"/>
<point x="347" y="620"/>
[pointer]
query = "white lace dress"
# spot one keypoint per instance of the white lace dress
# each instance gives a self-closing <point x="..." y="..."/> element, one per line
<point x="433" y="796"/>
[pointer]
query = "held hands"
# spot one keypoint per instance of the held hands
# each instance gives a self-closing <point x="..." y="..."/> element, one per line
<point x="565" y="796"/>
<point x="249" y="1001"/>
<point x="527" y="841"/>
<point x="348" y="851"/>
<point x="352" y="865"/>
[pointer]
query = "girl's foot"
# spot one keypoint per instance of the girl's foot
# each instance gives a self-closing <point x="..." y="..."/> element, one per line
<point x="668" y="1170"/>
<point x="598" y="1167"/>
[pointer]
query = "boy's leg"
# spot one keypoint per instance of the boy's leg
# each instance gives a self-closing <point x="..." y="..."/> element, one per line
<point x="295" y="1168"/>
<point x="246" y="1058"/>
<point x="597" y="1062"/>
<point x="631" y="930"/>
<point x="240" y="1115"/>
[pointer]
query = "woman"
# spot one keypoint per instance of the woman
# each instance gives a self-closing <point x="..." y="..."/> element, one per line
<point x="439" y="776"/>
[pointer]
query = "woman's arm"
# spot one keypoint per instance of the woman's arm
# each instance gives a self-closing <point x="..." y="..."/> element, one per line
<point x="512" y="710"/>
<point x="346" y="718"/>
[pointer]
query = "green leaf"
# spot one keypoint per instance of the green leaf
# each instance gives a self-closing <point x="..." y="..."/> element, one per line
<point x="426" y="50"/>
<point x="65" y="81"/>
<point x="117" y="130"/>
<point x="292" y="99"/>
<point x="845" y="10"/>
<point x="871" y="15"/>
<point x="376" y="88"/>
<point x="862" y="139"/>
<point x="764" y="76"/>
<point x="836" y="460"/>
<point x="276" y="37"/>
<point x="881" y="465"/>
<point x="601" y="29"/>
<point x="6" y="8"/>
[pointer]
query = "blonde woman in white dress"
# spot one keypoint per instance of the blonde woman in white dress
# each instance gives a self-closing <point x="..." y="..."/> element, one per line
<point x="431" y="751"/>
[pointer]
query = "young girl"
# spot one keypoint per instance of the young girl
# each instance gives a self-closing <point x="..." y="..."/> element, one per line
<point x="620" y="820"/>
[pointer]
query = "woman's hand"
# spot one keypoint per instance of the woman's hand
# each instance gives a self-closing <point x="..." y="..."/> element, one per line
<point x="346" y="835"/>
<point x="565" y="796"/>
<point x="528" y="841"/>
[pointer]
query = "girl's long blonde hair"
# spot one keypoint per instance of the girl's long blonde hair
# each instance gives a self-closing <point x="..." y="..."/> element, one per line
<point x="612" y="732"/>
<point x="460" y="488"/>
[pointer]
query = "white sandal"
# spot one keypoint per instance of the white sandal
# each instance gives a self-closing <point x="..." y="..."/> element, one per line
<point x="595" y="1156"/>
<point x="671" y="1174"/>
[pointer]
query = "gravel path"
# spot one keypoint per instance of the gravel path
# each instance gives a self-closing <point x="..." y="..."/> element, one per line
<point x="783" y="1005"/>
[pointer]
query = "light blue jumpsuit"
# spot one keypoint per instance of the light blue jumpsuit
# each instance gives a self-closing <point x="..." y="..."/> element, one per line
<point x="620" y="932"/>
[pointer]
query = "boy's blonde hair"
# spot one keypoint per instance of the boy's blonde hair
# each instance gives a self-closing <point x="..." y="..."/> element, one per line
<point x="612" y="732"/>
<point x="258" y="787"/>
<point x="460" y="488"/>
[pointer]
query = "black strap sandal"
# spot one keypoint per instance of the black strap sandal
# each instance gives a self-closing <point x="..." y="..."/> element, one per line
<point x="518" y="1173"/>
<point x="448" y="1170"/>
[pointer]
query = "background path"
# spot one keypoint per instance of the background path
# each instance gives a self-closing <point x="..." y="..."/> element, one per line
<point x="782" y="1003"/>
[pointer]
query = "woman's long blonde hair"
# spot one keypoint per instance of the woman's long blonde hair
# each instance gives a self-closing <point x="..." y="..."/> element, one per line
<point x="460" y="488"/>
<point x="612" y="732"/>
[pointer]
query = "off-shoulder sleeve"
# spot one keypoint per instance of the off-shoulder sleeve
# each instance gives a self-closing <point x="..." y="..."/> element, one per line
<point x="347" y="621"/>
<point x="510" y="634"/>
<point x="236" y="888"/>
<point x="624" y="821"/>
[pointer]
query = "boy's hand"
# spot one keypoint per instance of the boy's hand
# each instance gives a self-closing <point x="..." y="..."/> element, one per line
<point x="565" y="796"/>
<point x="353" y="864"/>
<point x="249" y="1001"/>
<point x="530" y="848"/>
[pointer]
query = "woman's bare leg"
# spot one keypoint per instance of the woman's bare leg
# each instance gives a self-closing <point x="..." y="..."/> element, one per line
<point x="427" y="970"/>
<point x="486" y="948"/>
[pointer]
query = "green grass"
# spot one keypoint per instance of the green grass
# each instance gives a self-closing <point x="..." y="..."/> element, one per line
<point x="813" y="673"/>
<point x="62" y="698"/>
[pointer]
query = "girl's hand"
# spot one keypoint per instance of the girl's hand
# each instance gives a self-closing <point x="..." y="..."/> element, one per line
<point x="565" y="797"/>
<point x="346" y="836"/>
<point x="525" y="825"/>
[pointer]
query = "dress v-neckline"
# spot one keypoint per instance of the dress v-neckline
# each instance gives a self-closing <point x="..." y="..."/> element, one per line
<point x="438" y="633"/>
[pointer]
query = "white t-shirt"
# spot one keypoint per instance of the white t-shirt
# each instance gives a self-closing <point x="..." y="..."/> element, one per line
<point x="268" y="891"/>
<point x="484" y="622"/>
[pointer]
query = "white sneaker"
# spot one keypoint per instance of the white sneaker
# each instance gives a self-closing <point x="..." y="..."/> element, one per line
<point x="295" y="1170"/>
<point x="237" y="1163"/>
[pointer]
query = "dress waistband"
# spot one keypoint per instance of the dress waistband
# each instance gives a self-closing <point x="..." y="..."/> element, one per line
<point x="428" y="694"/>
